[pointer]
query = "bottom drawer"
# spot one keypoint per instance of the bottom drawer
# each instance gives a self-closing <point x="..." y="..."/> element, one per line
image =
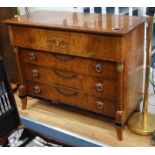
<point x="72" y="97"/>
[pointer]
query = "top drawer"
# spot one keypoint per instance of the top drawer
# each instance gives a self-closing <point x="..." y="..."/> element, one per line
<point x="78" y="44"/>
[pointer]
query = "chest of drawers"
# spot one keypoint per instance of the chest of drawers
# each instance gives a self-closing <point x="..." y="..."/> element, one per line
<point x="90" y="61"/>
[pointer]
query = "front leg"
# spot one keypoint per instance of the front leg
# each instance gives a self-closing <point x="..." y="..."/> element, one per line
<point x="119" y="125"/>
<point x="23" y="96"/>
<point x="119" y="131"/>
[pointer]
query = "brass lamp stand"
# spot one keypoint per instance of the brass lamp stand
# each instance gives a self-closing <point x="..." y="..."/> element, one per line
<point x="143" y="123"/>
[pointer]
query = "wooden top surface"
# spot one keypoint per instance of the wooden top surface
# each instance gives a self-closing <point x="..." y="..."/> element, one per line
<point x="84" y="22"/>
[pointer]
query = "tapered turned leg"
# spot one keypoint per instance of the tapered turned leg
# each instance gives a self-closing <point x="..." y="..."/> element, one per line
<point x="119" y="125"/>
<point x="119" y="131"/>
<point x="14" y="87"/>
<point x="22" y="96"/>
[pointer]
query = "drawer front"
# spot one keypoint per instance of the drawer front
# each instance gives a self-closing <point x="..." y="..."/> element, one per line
<point x="92" y="85"/>
<point x="72" y="97"/>
<point x="69" y="63"/>
<point x="78" y="44"/>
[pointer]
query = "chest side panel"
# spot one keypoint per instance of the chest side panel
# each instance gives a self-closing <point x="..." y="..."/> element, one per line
<point x="133" y="55"/>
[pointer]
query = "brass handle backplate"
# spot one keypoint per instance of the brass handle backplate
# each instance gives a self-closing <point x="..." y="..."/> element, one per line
<point x="55" y="42"/>
<point x="37" y="90"/>
<point x="35" y="72"/>
<point x="100" y="104"/>
<point x="65" y="75"/>
<point x="32" y="56"/>
<point x="58" y="43"/>
<point x="67" y="92"/>
<point x="99" y="86"/>
<point x="98" y="67"/>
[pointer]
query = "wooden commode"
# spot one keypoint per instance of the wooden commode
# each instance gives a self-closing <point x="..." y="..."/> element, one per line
<point x="90" y="61"/>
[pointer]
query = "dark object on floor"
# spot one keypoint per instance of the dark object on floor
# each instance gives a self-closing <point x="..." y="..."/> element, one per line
<point x="10" y="120"/>
<point x="153" y="139"/>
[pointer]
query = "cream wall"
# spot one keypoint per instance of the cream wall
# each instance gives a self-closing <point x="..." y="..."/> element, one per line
<point x="141" y="10"/>
<point x="78" y="9"/>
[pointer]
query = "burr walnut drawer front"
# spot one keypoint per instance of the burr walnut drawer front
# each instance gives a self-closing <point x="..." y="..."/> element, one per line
<point x="79" y="44"/>
<point x="69" y="63"/>
<point x="92" y="85"/>
<point x="71" y="97"/>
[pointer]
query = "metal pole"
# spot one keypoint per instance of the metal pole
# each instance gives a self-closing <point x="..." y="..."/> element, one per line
<point x="148" y="63"/>
<point x="143" y="123"/>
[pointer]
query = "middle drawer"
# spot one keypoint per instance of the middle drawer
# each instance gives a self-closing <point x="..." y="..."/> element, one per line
<point x="96" y="86"/>
<point x="69" y="63"/>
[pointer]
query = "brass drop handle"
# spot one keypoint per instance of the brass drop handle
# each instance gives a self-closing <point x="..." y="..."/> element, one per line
<point x="37" y="90"/>
<point x="35" y="72"/>
<point x="32" y="56"/>
<point x="98" y="67"/>
<point x="99" y="86"/>
<point x="100" y="104"/>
